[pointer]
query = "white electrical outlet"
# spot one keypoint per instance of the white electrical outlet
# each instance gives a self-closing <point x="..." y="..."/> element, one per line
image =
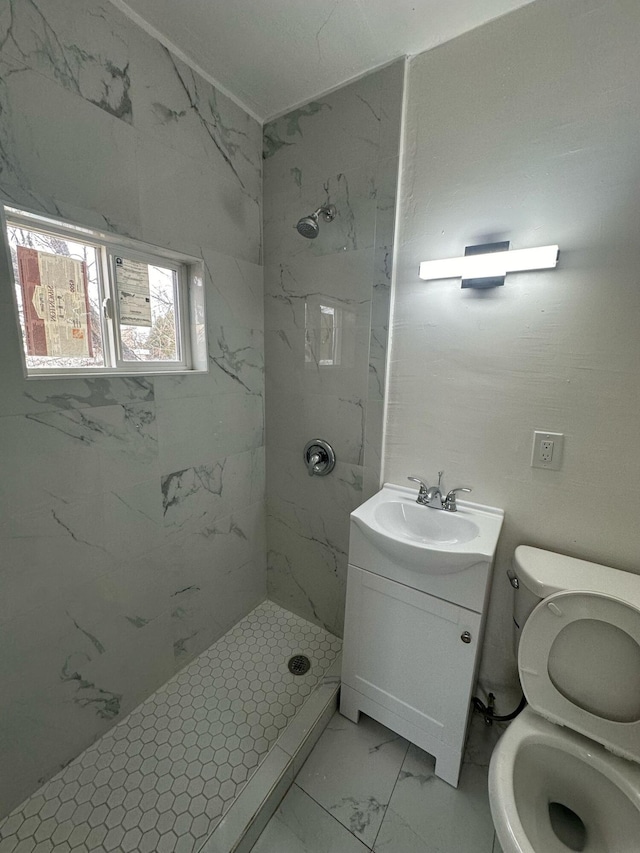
<point x="547" y="450"/>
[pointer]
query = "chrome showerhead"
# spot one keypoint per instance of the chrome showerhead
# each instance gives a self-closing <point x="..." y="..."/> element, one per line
<point x="309" y="226"/>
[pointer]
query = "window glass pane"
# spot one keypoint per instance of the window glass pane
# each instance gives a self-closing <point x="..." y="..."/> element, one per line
<point x="58" y="299"/>
<point x="147" y="308"/>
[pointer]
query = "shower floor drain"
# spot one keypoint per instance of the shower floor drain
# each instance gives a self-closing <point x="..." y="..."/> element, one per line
<point x="299" y="664"/>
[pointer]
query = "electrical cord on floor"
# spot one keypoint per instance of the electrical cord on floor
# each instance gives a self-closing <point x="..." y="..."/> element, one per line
<point x="489" y="714"/>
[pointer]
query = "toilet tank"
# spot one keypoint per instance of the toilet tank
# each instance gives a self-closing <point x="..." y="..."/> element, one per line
<point x="524" y="601"/>
<point x="541" y="573"/>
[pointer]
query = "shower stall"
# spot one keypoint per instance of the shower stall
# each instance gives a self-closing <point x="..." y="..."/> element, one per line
<point x="165" y="551"/>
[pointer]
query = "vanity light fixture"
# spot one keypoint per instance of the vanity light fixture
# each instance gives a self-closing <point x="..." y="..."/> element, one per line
<point x="487" y="265"/>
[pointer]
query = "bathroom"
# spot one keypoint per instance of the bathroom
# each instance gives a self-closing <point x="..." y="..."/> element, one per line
<point x="144" y="517"/>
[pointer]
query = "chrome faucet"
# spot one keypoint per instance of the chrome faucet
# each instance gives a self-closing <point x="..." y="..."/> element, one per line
<point x="432" y="495"/>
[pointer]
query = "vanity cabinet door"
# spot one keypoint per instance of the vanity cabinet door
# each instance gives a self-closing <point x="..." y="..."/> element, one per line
<point x="405" y="651"/>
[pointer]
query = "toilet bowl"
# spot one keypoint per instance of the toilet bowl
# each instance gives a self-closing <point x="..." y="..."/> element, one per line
<point x="553" y="790"/>
<point x="566" y="773"/>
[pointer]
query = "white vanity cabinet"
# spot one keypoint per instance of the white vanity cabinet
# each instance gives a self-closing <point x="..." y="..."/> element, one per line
<point x="411" y="647"/>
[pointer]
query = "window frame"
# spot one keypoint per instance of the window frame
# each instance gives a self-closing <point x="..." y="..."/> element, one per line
<point x="191" y="341"/>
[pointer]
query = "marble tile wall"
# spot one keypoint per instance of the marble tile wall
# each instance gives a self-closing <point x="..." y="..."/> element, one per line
<point x="326" y="384"/>
<point x="132" y="525"/>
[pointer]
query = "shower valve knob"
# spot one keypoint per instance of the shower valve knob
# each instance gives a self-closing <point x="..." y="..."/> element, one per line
<point x="319" y="457"/>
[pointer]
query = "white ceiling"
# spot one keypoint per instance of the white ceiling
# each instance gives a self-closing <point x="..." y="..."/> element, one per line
<point x="274" y="55"/>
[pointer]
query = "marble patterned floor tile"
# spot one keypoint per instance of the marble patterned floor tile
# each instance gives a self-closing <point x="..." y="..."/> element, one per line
<point x="302" y="826"/>
<point x="352" y="772"/>
<point x="426" y="815"/>
<point x="162" y="778"/>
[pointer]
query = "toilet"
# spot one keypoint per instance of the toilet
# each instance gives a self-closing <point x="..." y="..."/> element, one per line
<point x="565" y="776"/>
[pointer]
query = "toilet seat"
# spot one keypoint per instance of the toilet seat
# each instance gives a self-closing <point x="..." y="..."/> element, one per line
<point x="579" y="663"/>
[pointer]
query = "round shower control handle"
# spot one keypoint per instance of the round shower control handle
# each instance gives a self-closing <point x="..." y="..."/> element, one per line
<point x="319" y="457"/>
<point x="465" y="637"/>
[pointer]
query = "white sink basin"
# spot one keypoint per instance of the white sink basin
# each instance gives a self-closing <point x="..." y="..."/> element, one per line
<point x="427" y="540"/>
<point x="409" y="521"/>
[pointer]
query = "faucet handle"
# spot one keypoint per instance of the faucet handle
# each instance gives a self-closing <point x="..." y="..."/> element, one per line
<point x="449" y="502"/>
<point x="421" y="483"/>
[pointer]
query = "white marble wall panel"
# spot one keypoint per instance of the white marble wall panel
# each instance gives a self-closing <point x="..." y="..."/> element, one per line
<point x="295" y="367"/>
<point x="343" y="277"/>
<point x="132" y="510"/>
<point x="353" y="192"/>
<point x="218" y="426"/>
<point x="65" y="168"/>
<point x="343" y="150"/>
<point x="308" y="537"/>
<point x="184" y="112"/>
<point x="194" y="498"/>
<point x="185" y="201"/>
<point x="234" y="290"/>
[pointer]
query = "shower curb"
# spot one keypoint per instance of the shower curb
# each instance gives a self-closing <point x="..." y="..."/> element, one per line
<point x="241" y="826"/>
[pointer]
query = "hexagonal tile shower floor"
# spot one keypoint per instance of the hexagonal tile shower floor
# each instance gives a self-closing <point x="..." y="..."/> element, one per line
<point x="162" y="778"/>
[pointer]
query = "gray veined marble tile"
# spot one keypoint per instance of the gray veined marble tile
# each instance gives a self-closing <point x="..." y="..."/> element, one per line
<point x="354" y="194"/>
<point x="208" y="209"/>
<point x="294" y="419"/>
<point x="307" y="562"/>
<point x="201" y="614"/>
<point x="88" y="53"/>
<point x="184" y="111"/>
<point x="377" y="362"/>
<point x="219" y="426"/>
<point x="236" y="358"/>
<point x="49" y="555"/>
<point x="301" y="282"/>
<point x="66" y="167"/>
<point x="332" y="498"/>
<point x="21" y="397"/>
<point x="124" y="437"/>
<point x="90" y="392"/>
<point x="300" y="825"/>
<point x="425" y="814"/>
<point x="352" y="772"/>
<point x="39" y="475"/>
<point x="339" y="131"/>
<point x="133" y="520"/>
<point x="194" y="498"/>
<point x="204" y="562"/>
<point x="373" y="448"/>
<point x="298" y="360"/>
<point x="310" y="532"/>
<point x="129" y="428"/>
<point x="234" y="291"/>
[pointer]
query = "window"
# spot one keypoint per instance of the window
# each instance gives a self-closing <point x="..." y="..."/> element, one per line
<point x="90" y="302"/>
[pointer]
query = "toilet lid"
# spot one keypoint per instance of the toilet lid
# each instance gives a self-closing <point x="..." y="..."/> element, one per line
<point x="579" y="662"/>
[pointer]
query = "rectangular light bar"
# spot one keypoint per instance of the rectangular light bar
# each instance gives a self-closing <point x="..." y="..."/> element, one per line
<point x="492" y="264"/>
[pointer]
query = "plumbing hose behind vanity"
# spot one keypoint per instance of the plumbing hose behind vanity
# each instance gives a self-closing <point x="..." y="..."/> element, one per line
<point x="489" y="714"/>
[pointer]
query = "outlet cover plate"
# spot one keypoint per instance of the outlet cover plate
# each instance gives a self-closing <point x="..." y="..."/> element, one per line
<point x="539" y="451"/>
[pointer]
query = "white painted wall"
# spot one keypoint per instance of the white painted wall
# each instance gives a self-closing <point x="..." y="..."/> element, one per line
<point x="527" y="130"/>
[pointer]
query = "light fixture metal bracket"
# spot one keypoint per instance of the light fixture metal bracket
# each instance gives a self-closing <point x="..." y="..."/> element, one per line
<point x="485" y="249"/>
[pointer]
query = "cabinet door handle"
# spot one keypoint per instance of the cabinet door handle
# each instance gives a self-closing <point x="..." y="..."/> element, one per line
<point x="465" y="637"/>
